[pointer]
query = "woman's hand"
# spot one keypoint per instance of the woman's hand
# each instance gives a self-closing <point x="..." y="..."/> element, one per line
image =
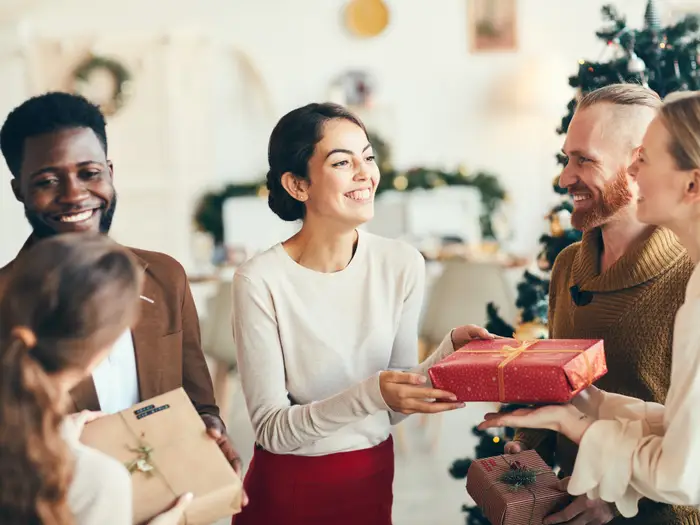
<point x="463" y="334"/>
<point x="403" y="392"/>
<point x="564" y="419"/>
<point x="174" y="515"/>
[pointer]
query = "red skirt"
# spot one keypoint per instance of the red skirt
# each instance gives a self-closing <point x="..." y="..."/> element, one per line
<point x="347" y="488"/>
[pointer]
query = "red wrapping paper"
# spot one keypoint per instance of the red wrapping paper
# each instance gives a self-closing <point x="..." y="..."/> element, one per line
<point x="511" y="371"/>
<point x="503" y="504"/>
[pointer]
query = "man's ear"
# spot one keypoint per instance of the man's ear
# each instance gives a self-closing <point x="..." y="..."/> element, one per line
<point x="16" y="189"/>
<point x="110" y="166"/>
<point x="295" y="186"/>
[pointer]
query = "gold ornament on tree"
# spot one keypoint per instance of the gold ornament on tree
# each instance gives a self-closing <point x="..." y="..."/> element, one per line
<point x="531" y="331"/>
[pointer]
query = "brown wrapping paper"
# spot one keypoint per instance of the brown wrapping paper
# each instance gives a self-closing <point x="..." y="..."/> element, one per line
<point x="503" y="504"/>
<point x="177" y="456"/>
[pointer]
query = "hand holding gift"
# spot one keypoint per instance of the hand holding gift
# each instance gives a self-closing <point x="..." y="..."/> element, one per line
<point x="564" y="419"/>
<point x="404" y="392"/>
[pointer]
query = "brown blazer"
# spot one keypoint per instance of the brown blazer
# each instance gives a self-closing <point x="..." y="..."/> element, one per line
<point x="167" y="338"/>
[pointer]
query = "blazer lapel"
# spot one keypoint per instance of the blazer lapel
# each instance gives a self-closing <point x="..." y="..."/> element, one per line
<point x="146" y="341"/>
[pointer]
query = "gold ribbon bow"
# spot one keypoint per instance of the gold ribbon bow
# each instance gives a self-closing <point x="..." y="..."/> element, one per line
<point x="513" y="352"/>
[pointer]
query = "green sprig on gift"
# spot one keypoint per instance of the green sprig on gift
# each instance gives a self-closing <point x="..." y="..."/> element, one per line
<point x="518" y="477"/>
<point x="143" y="462"/>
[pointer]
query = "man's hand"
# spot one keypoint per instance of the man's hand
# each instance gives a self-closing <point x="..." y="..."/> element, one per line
<point x="217" y="431"/>
<point x="582" y="511"/>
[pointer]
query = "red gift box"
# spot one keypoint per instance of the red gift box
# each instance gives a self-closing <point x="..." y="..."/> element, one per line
<point x="517" y="489"/>
<point x="529" y="372"/>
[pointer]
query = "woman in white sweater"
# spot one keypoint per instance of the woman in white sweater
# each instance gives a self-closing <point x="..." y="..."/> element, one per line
<point x="630" y="449"/>
<point x="325" y="326"/>
<point x="66" y="304"/>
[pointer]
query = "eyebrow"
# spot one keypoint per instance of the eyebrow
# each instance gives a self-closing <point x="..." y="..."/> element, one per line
<point x="339" y="150"/>
<point x="52" y="169"/>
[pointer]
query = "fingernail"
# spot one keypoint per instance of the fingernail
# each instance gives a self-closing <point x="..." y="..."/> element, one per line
<point x="422" y="379"/>
<point x="188" y="496"/>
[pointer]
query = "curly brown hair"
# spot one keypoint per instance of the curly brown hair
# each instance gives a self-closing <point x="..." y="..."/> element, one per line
<point x="68" y="299"/>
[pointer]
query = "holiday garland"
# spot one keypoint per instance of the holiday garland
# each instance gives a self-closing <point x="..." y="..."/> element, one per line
<point x="209" y="213"/>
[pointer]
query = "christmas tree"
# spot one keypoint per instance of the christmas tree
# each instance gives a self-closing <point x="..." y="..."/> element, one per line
<point x="663" y="58"/>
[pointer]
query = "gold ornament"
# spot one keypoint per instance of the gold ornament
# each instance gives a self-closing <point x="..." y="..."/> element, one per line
<point x="555" y="227"/>
<point x="401" y="182"/>
<point x="530" y="331"/>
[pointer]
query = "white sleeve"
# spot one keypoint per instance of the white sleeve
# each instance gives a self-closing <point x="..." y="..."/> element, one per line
<point x="600" y="404"/>
<point x="623" y="459"/>
<point x="100" y="491"/>
<point x="280" y="427"/>
<point x="404" y="353"/>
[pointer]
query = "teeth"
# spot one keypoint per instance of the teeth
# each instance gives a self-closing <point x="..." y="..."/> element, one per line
<point x="359" y="195"/>
<point x="77" y="217"/>
<point x="581" y="197"/>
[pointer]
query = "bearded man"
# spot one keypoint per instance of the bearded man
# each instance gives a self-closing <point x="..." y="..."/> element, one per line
<point x="622" y="283"/>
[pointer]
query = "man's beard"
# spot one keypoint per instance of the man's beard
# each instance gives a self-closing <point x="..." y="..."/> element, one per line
<point x="615" y="196"/>
<point x="41" y="229"/>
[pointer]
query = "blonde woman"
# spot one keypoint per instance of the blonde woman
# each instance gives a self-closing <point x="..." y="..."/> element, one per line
<point x="630" y="449"/>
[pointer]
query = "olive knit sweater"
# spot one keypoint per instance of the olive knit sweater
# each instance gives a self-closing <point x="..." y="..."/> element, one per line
<point x="632" y="309"/>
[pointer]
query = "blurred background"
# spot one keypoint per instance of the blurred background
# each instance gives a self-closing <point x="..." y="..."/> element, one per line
<point x="463" y="99"/>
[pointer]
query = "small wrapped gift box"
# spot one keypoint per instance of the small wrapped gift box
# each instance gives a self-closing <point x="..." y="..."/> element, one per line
<point x="164" y="444"/>
<point x="518" y="489"/>
<point x="529" y="372"/>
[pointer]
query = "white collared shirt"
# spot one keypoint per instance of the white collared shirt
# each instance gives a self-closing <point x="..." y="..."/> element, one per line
<point x="116" y="379"/>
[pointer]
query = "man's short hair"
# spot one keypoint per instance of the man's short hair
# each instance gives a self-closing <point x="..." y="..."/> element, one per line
<point x="47" y="113"/>
<point x="621" y="95"/>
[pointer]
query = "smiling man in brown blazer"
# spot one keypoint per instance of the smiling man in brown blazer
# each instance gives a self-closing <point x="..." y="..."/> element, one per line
<point x="56" y="148"/>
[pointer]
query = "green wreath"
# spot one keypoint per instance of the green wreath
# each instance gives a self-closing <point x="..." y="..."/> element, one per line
<point x="120" y="74"/>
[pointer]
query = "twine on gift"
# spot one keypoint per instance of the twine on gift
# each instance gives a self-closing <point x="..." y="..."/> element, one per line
<point x="144" y="462"/>
<point x="513" y="352"/>
<point x="518" y="477"/>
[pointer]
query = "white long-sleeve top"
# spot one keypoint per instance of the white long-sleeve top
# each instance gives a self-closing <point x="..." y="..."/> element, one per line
<point x="310" y="345"/>
<point x="637" y="449"/>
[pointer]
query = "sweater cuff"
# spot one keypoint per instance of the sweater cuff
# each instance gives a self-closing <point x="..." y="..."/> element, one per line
<point x="374" y="393"/>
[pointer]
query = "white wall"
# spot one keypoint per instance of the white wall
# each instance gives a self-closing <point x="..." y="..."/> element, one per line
<point x="438" y="104"/>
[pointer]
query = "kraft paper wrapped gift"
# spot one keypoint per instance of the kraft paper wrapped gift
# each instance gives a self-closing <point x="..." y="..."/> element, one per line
<point x="517" y="489"/>
<point x="163" y="442"/>
<point x="528" y="372"/>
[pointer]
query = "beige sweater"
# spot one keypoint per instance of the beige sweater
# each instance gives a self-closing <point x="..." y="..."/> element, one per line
<point x="633" y="308"/>
<point x="639" y="449"/>
<point x="100" y="491"/>
<point x="311" y="345"/>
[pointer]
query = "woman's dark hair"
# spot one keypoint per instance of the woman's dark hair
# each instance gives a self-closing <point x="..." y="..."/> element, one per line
<point x="69" y="297"/>
<point x="292" y="145"/>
